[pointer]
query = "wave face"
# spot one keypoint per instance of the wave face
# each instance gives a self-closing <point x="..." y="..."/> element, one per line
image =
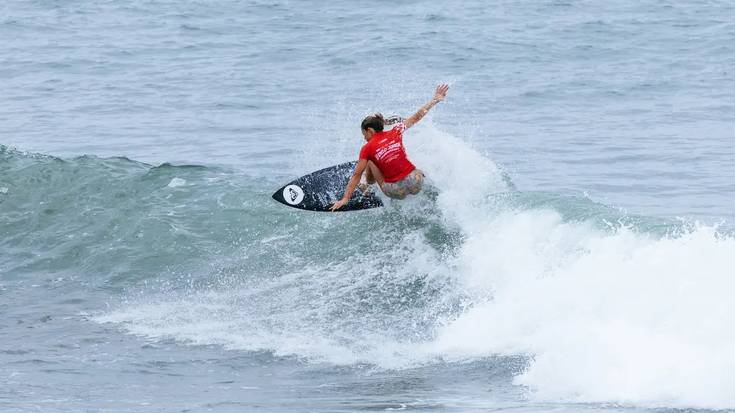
<point x="603" y="307"/>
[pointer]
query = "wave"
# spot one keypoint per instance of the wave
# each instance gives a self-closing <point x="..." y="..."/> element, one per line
<point x="604" y="307"/>
<point x="114" y="221"/>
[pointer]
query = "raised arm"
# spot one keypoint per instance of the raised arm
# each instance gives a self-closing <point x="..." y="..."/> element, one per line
<point x="351" y="185"/>
<point x="439" y="95"/>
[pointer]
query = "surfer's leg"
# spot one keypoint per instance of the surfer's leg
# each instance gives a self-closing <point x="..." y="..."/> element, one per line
<point x="373" y="174"/>
<point x="415" y="182"/>
<point x="369" y="176"/>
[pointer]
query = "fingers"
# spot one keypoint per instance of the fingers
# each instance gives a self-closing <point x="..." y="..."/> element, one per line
<point x="441" y="91"/>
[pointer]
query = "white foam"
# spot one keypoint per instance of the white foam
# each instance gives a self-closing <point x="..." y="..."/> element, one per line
<point x="621" y="317"/>
<point x="606" y="316"/>
<point x="176" y="182"/>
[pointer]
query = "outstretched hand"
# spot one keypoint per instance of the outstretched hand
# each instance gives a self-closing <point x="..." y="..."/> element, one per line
<point x="441" y="92"/>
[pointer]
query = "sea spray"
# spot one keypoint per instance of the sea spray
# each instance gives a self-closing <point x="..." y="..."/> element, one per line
<point x="603" y="308"/>
<point x="619" y="317"/>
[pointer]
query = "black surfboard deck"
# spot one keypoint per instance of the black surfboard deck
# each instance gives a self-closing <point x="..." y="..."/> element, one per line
<point x="318" y="190"/>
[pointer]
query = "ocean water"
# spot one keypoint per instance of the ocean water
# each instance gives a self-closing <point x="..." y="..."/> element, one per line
<point x="578" y="257"/>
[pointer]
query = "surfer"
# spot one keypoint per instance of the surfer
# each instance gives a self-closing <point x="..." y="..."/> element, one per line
<point x="383" y="158"/>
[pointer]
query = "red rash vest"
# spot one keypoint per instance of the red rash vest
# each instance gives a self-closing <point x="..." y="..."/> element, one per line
<point x="386" y="151"/>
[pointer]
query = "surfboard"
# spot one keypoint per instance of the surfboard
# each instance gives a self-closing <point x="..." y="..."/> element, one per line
<point x="318" y="190"/>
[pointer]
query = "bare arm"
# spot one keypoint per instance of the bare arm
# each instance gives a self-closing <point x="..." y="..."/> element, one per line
<point x="439" y="95"/>
<point x="351" y="185"/>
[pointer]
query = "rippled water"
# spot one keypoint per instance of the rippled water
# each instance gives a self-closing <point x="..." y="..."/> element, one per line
<point x="569" y="261"/>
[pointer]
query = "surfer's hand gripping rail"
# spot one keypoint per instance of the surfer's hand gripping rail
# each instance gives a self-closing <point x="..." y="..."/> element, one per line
<point x="351" y="185"/>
